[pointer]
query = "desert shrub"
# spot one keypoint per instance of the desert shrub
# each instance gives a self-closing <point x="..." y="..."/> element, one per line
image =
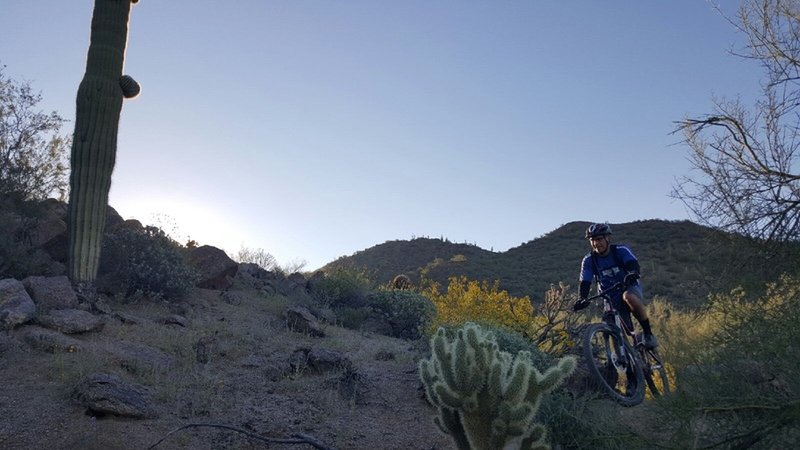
<point x="352" y="318"/>
<point x="735" y="369"/>
<point x="33" y="153"/>
<point x="583" y="421"/>
<point x="471" y="301"/>
<point x="342" y="288"/>
<point x="513" y="342"/>
<point x="409" y="314"/>
<point x="258" y="256"/>
<point x="145" y="260"/>
<point x="556" y="321"/>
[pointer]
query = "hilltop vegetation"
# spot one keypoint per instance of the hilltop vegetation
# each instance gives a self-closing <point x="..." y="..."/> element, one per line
<point x="681" y="261"/>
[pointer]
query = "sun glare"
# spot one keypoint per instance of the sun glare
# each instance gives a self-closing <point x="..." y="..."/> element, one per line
<point x="184" y="220"/>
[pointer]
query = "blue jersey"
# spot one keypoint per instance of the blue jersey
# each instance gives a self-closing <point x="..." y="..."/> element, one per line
<point x="610" y="269"/>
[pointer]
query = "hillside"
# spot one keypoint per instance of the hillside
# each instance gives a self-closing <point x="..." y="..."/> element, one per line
<point x="681" y="261"/>
<point x="126" y="371"/>
<point x="247" y="379"/>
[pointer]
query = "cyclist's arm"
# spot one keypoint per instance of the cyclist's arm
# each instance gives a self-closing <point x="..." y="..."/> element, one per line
<point x="585" y="287"/>
<point x="629" y="261"/>
<point x="586" y="276"/>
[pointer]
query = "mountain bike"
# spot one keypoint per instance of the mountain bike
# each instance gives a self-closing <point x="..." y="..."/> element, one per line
<point x="618" y="360"/>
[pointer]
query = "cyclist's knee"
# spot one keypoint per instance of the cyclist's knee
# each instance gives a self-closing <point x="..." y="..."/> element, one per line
<point x="632" y="299"/>
<point x="636" y="305"/>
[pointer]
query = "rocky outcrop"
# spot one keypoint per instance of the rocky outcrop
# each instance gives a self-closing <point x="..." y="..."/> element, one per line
<point x="216" y="269"/>
<point x="71" y="321"/>
<point x="51" y="292"/>
<point x="301" y="320"/>
<point x="41" y="231"/>
<point x="16" y="306"/>
<point x="274" y="282"/>
<point x="51" y="341"/>
<point x="103" y="394"/>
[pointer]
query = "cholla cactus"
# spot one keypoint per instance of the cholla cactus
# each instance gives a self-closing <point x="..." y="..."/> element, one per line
<point x="486" y="398"/>
<point x="94" y="144"/>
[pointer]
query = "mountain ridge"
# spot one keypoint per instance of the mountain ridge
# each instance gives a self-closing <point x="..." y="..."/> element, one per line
<point x="681" y="260"/>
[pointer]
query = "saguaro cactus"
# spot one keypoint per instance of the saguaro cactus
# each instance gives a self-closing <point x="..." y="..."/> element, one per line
<point x="94" y="144"/>
<point x="486" y="398"/>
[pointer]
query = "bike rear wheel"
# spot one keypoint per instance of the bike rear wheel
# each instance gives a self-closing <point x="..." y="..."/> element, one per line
<point x="655" y="374"/>
<point x="613" y="364"/>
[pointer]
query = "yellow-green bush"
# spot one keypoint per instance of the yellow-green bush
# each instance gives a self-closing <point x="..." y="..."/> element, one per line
<point x="481" y="302"/>
<point x="735" y="367"/>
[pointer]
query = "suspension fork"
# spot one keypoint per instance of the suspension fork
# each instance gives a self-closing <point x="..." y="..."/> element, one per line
<point x="620" y="357"/>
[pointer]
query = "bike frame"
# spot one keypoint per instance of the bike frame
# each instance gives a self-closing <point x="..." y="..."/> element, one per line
<point x="627" y="353"/>
<point x="612" y="317"/>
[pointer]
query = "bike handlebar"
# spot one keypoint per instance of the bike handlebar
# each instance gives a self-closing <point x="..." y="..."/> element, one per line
<point x="606" y="292"/>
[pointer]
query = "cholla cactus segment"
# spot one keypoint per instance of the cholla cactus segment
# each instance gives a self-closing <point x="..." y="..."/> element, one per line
<point x="486" y="398"/>
<point x="94" y="144"/>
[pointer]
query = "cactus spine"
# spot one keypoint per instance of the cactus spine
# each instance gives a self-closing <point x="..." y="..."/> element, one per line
<point x="486" y="398"/>
<point x="94" y="145"/>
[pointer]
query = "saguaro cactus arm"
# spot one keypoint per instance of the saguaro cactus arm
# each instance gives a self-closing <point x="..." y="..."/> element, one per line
<point x="486" y="398"/>
<point x="94" y="145"/>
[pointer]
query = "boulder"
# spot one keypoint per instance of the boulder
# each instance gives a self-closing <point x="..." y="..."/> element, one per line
<point x="231" y="298"/>
<point x="317" y="360"/>
<point x="293" y="284"/>
<point x="71" y="321"/>
<point x="112" y="218"/>
<point x="301" y="320"/>
<point x="16" y="306"/>
<point x="104" y="394"/>
<point x="176" y="319"/>
<point x="324" y="360"/>
<point x="251" y="272"/>
<point x="216" y="269"/>
<point x="51" y="292"/>
<point x="46" y="228"/>
<point x="50" y="341"/>
<point x="130" y="224"/>
<point x="315" y="280"/>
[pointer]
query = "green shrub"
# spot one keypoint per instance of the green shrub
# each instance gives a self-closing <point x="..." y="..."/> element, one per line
<point x="342" y="288"/>
<point x="576" y="422"/>
<point x="745" y="380"/>
<point x="145" y="260"/>
<point x="408" y="313"/>
<point x="352" y="318"/>
<point x="33" y="151"/>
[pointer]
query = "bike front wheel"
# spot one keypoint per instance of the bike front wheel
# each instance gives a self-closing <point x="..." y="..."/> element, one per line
<point x="655" y="374"/>
<point x="613" y="364"/>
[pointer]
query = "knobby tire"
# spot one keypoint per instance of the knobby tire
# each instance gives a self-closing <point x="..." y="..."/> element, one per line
<point x="599" y="349"/>
<point x="655" y="374"/>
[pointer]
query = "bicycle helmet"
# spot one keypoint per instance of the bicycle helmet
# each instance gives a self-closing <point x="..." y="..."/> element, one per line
<point x="597" y="229"/>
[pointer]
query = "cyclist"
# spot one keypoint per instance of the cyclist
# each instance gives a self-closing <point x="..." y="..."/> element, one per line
<point x="610" y="264"/>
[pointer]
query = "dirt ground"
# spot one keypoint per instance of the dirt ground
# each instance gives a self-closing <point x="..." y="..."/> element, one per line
<point x="247" y="384"/>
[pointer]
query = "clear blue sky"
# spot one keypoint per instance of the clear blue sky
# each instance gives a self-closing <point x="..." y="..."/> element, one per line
<point x="315" y="129"/>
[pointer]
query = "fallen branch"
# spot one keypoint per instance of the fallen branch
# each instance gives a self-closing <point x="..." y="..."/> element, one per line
<point x="297" y="438"/>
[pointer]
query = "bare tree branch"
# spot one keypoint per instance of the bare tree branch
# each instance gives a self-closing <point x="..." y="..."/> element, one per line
<point x="745" y="177"/>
